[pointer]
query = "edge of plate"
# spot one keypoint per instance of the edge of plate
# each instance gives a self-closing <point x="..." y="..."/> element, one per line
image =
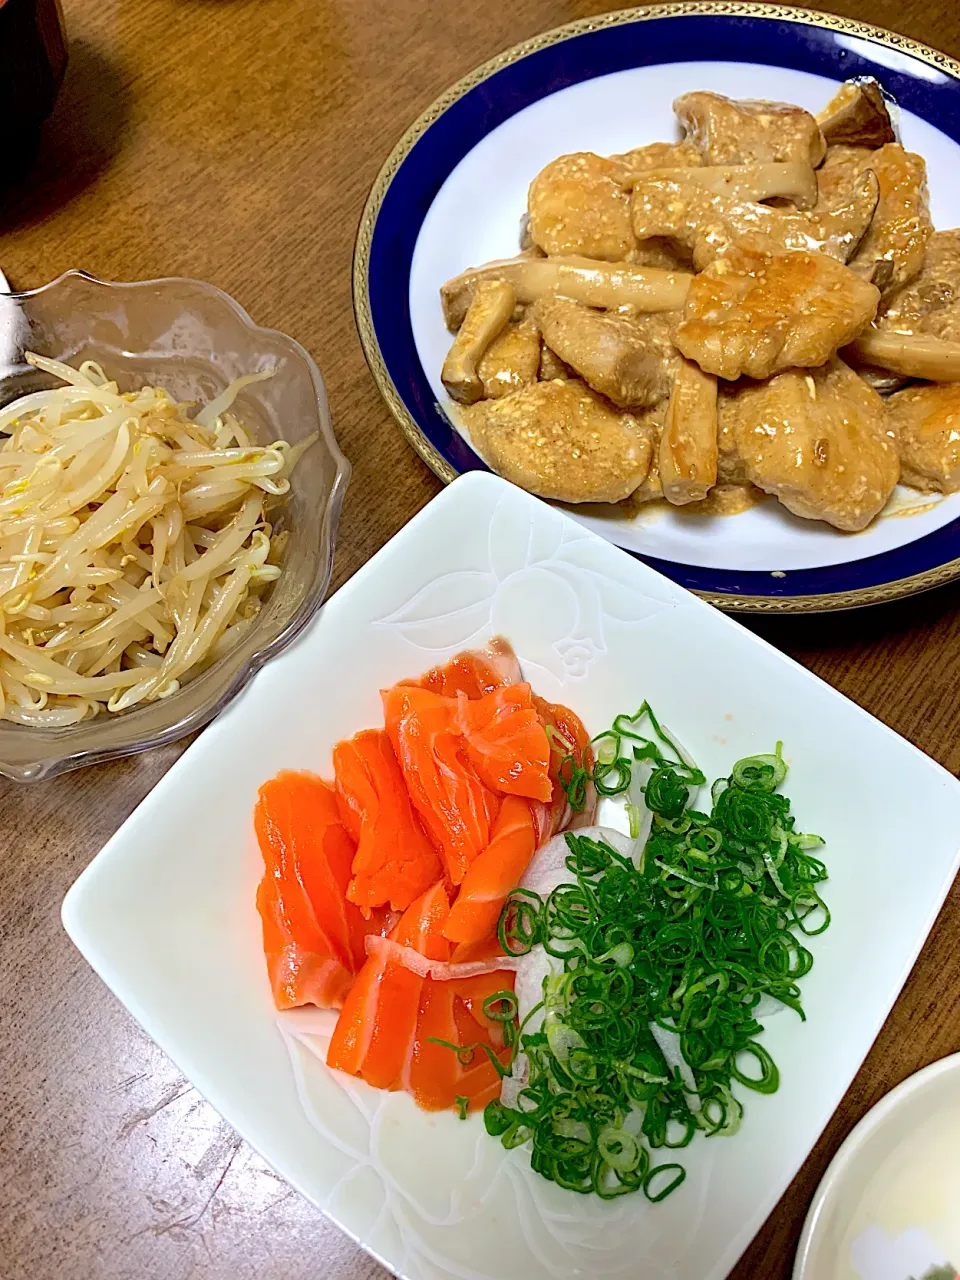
<point x="821" y="603"/>
<point x="837" y="1167"/>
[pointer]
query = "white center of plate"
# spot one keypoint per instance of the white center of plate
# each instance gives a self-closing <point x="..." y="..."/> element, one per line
<point x="476" y="217"/>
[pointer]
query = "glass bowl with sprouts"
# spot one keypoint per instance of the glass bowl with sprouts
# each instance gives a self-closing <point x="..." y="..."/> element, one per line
<point x="170" y="486"/>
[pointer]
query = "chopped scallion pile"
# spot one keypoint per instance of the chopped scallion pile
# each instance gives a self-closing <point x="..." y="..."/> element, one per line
<point x="652" y="1011"/>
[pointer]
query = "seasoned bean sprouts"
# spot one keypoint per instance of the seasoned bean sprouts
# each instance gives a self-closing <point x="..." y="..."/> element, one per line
<point x="135" y="544"/>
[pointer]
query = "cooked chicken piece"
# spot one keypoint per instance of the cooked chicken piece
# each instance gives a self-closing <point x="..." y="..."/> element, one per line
<point x="891" y="252"/>
<point x="857" y="115"/>
<point x="753" y="312"/>
<point x="741" y="182"/>
<point x="511" y="361"/>
<point x="926" y="422"/>
<point x="901" y="226"/>
<point x="910" y="355"/>
<point x="596" y="284"/>
<point x="817" y="440"/>
<point x="930" y="303"/>
<point x="551" y="366"/>
<point x="688" y="445"/>
<point x="560" y="440"/>
<point x="578" y="205"/>
<point x="490" y="309"/>
<point x="614" y="354"/>
<point x="660" y="155"/>
<point x="726" y="131"/>
<point x="708" y="224"/>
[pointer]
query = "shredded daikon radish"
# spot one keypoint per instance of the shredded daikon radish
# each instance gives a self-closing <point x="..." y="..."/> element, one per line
<point x="134" y="542"/>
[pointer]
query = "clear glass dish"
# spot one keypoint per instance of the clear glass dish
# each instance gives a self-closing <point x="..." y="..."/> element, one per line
<point x="193" y="340"/>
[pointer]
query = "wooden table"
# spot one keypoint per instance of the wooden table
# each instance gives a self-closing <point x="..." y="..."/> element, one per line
<point x="235" y="140"/>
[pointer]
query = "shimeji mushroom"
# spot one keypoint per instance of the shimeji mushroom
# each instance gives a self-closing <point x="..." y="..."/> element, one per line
<point x="796" y="181"/>
<point x="912" y="355"/>
<point x="708" y="224"/>
<point x="688" y="443"/>
<point x="857" y="116"/>
<point x="489" y="311"/>
<point x="608" y="285"/>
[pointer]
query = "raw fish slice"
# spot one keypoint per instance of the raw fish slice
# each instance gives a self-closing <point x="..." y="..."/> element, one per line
<point x="438" y="1077"/>
<point x="474" y="672"/>
<point x="453" y="803"/>
<point x="474" y="992"/>
<point x="567" y="737"/>
<point x="353" y="1033"/>
<point x="468" y="952"/>
<point x="313" y="937"/>
<point x="380" y="921"/>
<point x="379" y="1016"/>
<point x="434" y="1069"/>
<point x="398" y="1002"/>
<point x="297" y="976"/>
<point x="506" y="742"/>
<point x="497" y="870"/>
<point x="394" y="862"/>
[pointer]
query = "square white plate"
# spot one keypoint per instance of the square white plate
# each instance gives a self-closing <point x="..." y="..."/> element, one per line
<point x="166" y="914"/>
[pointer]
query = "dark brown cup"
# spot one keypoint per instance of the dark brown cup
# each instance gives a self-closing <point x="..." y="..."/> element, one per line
<point x="33" y="57"/>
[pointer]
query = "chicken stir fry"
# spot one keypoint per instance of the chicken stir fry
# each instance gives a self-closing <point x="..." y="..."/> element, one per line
<point x="930" y="303"/>
<point x="818" y="441"/>
<point x="629" y="359"/>
<point x="754" y="312"/>
<point x="715" y="317"/>
<point x="728" y="132"/>
<point x="926" y="424"/>
<point x="561" y="440"/>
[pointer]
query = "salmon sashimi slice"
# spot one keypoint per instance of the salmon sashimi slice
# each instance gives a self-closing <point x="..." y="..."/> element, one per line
<point x="394" y="861"/>
<point x="398" y="1005"/>
<point x="434" y="1069"/>
<point x="377" y="1023"/>
<point x="438" y="1077"/>
<point x="567" y="737"/>
<point x="487" y="948"/>
<point x="497" y="870"/>
<point x="312" y="936"/>
<point x="297" y="975"/>
<point x="474" y="672"/>
<point x="455" y="806"/>
<point x="507" y="743"/>
<point x="353" y="1033"/>
<point x="475" y="992"/>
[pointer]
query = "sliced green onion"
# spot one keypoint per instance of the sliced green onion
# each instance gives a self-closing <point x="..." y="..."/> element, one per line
<point x="696" y="942"/>
<point x="760" y="773"/>
<point x="656" y="1175"/>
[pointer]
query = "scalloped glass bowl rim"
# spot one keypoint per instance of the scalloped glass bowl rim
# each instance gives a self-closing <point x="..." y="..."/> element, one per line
<point x="44" y="767"/>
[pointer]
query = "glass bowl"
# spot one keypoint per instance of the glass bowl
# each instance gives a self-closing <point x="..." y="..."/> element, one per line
<point x="193" y="340"/>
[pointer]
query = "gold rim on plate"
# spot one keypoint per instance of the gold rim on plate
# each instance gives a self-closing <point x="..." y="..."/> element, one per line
<point x="820" y="603"/>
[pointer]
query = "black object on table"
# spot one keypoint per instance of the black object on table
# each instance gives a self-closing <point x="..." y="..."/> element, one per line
<point x="33" y="58"/>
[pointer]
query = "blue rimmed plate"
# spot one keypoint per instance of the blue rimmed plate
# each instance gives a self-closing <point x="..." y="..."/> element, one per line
<point x="452" y="192"/>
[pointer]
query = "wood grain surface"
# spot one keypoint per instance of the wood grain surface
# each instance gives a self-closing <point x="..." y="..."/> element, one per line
<point x="235" y="140"/>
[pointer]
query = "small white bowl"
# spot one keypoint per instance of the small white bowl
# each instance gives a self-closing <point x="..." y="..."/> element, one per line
<point x="889" y="1204"/>
<point x="166" y="912"/>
